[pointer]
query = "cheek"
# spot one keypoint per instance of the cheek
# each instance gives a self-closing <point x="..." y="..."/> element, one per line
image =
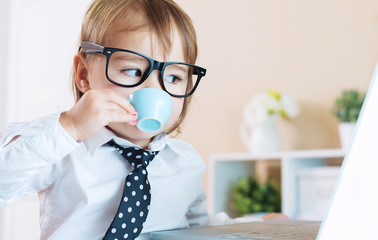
<point x="178" y="104"/>
<point x="98" y="80"/>
<point x="96" y="73"/>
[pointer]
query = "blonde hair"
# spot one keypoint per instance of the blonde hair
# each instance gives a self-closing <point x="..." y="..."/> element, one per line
<point x="160" y="17"/>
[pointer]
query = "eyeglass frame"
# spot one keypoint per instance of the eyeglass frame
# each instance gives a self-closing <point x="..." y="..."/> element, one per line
<point x="88" y="47"/>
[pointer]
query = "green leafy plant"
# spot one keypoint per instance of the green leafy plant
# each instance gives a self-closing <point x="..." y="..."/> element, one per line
<point x="348" y="105"/>
<point x="251" y="196"/>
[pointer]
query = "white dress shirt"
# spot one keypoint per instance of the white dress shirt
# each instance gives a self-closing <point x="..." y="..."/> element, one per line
<point x="80" y="184"/>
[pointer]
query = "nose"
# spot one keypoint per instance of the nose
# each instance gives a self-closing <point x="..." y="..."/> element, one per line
<point x="153" y="80"/>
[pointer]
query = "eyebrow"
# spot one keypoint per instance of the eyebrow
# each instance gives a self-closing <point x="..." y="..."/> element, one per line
<point x="182" y="67"/>
<point x="132" y="57"/>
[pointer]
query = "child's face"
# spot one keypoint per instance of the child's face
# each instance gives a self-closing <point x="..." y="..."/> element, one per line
<point x="145" y="43"/>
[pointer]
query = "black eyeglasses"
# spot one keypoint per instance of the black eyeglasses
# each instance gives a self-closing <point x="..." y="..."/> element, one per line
<point x="126" y="68"/>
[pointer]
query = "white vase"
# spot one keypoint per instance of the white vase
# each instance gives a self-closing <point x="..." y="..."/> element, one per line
<point x="263" y="138"/>
<point x="346" y="132"/>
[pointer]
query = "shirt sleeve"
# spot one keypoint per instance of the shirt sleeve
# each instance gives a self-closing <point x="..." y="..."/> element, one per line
<point x="197" y="214"/>
<point x="41" y="143"/>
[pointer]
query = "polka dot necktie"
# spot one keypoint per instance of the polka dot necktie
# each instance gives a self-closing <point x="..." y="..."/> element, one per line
<point x="135" y="203"/>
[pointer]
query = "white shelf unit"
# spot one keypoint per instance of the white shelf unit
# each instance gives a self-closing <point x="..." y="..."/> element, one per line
<point x="225" y="169"/>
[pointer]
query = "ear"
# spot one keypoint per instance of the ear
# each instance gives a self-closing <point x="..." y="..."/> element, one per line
<point x="81" y="72"/>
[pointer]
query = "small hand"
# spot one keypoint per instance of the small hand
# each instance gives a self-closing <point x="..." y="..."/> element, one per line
<point x="275" y="216"/>
<point x="96" y="109"/>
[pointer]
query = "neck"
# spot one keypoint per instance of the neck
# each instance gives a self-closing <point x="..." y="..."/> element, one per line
<point x="142" y="143"/>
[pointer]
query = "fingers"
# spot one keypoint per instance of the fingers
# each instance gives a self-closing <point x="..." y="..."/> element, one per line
<point x="118" y="114"/>
<point x="96" y="109"/>
<point x="119" y="106"/>
<point x="119" y="99"/>
<point x="108" y="106"/>
<point x="275" y="216"/>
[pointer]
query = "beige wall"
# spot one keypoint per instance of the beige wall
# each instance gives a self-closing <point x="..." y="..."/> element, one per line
<point x="309" y="49"/>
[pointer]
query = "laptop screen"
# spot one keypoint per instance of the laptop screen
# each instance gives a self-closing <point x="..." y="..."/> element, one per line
<point x="353" y="210"/>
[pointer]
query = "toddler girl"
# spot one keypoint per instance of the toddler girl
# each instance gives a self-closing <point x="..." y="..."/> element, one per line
<point x="79" y="161"/>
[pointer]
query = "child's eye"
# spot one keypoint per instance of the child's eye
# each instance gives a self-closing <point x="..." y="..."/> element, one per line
<point x="173" y="79"/>
<point x="132" y="72"/>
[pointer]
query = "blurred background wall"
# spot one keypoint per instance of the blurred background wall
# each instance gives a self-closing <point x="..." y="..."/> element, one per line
<point x="311" y="50"/>
<point x="4" y="29"/>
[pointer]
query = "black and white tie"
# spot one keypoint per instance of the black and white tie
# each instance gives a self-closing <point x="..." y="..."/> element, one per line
<point x="135" y="203"/>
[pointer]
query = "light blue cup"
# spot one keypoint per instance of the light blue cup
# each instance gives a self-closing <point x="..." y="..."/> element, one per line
<point x="154" y="108"/>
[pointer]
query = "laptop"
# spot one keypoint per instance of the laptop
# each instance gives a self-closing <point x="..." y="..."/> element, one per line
<point x="353" y="208"/>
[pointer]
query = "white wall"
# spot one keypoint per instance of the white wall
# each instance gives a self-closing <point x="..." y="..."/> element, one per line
<point x="4" y="16"/>
<point x="38" y="41"/>
<point x="43" y="37"/>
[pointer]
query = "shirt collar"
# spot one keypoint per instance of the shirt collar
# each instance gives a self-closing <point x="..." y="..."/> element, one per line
<point x="103" y="136"/>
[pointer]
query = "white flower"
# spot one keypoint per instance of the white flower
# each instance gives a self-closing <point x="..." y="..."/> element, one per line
<point x="290" y="106"/>
<point x="265" y="105"/>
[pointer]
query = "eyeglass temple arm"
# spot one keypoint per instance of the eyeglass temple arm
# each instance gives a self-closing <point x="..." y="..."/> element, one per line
<point x="201" y="72"/>
<point x="88" y="47"/>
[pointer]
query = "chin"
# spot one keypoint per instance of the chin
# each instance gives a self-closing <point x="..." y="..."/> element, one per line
<point x="131" y="133"/>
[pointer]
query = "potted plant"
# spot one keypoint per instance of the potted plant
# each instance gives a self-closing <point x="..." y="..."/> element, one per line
<point x="251" y="196"/>
<point x="347" y="109"/>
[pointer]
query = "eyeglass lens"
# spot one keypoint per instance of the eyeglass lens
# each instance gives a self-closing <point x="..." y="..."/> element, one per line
<point x="128" y="68"/>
